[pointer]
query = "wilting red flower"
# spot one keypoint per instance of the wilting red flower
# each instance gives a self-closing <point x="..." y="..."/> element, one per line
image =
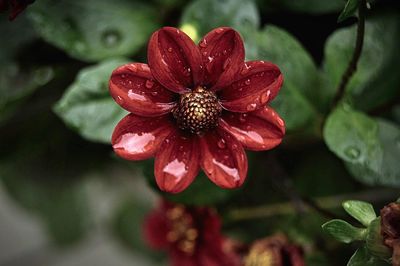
<point x="196" y="106"/>
<point x="390" y="229"/>
<point x="191" y="236"/>
<point x="274" y="251"/>
<point x="16" y="6"/>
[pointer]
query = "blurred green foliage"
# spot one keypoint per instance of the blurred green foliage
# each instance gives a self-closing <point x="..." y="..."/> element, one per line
<point x="58" y="56"/>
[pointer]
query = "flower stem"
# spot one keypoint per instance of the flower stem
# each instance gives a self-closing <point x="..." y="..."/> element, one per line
<point x="352" y="67"/>
<point x="328" y="202"/>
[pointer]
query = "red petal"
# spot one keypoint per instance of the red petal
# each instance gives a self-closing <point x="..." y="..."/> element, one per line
<point x="155" y="229"/>
<point x="175" y="60"/>
<point x="177" y="162"/>
<point x="222" y="51"/>
<point x="259" y="130"/>
<point x="132" y="86"/>
<point x="138" y="138"/>
<point x="223" y="158"/>
<point x="257" y="84"/>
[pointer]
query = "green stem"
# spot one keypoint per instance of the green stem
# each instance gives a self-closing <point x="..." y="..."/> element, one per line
<point x="329" y="202"/>
<point x="352" y="67"/>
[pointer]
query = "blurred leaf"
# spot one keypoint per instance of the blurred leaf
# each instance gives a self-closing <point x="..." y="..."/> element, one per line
<point x="294" y="101"/>
<point x="17" y="80"/>
<point x="374" y="240"/>
<point x="128" y="227"/>
<point x="360" y="210"/>
<point x="343" y="231"/>
<point x="376" y="80"/>
<point x="206" y="15"/>
<point x="202" y="192"/>
<point x="93" y="30"/>
<point x="87" y="106"/>
<point x="362" y="258"/>
<point x="349" y="10"/>
<point x="60" y="203"/>
<point x="353" y="137"/>
<point x="387" y="170"/>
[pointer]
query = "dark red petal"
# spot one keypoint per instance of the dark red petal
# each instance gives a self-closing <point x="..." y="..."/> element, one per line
<point x="257" y="84"/>
<point x="133" y="87"/>
<point x="259" y="130"/>
<point x="223" y="158"/>
<point x="175" y="60"/>
<point x="138" y="138"/>
<point x="222" y="51"/>
<point x="177" y="162"/>
<point x="155" y="229"/>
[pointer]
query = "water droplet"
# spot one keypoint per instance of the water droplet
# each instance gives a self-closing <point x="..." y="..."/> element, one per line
<point x="352" y="152"/>
<point x="265" y="96"/>
<point x="245" y="69"/>
<point x="221" y="144"/>
<point x="242" y="118"/>
<point x="203" y="43"/>
<point x="123" y="76"/>
<point x="133" y="67"/>
<point x="181" y="148"/>
<point x="204" y="53"/>
<point x="224" y="52"/>
<point x="219" y="30"/>
<point x="247" y="82"/>
<point x="167" y="140"/>
<point x="149" y="84"/>
<point x="226" y="63"/>
<point x="120" y="100"/>
<point x="111" y="38"/>
<point x="154" y="93"/>
<point x="251" y="107"/>
<point x="169" y="49"/>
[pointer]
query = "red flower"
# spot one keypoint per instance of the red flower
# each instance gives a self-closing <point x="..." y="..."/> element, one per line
<point x="16" y="6"/>
<point x="390" y="229"/>
<point x="192" y="236"/>
<point x="196" y="106"/>
<point x="274" y="251"/>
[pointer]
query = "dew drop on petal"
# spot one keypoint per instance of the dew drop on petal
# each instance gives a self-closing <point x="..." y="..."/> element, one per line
<point x="221" y="144"/>
<point x="251" y="107"/>
<point x="352" y="152"/>
<point x="203" y="43"/>
<point x="120" y="100"/>
<point x="219" y="30"/>
<point x="154" y="93"/>
<point x="242" y="118"/>
<point x="149" y="84"/>
<point x="169" y="49"/>
<point x="265" y="96"/>
<point x="226" y="63"/>
<point x="245" y="69"/>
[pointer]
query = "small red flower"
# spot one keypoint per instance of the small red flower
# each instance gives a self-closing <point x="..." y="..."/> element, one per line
<point x="390" y="229"/>
<point x="192" y="236"/>
<point x="16" y="6"/>
<point x="196" y="107"/>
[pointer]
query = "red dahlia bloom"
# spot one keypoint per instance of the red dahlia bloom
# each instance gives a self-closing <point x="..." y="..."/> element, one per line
<point x="192" y="236"/>
<point x="16" y="6"/>
<point x="196" y="106"/>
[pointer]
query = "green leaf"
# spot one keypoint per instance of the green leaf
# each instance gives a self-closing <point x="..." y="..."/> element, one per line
<point x="206" y="15"/>
<point x="374" y="240"/>
<point x="343" y="231"/>
<point x="349" y="10"/>
<point x="363" y="258"/>
<point x="294" y="101"/>
<point x="360" y="210"/>
<point x="87" y="106"/>
<point x="93" y="30"/>
<point x="17" y="80"/>
<point x="353" y="137"/>
<point x="387" y="171"/>
<point x="376" y="80"/>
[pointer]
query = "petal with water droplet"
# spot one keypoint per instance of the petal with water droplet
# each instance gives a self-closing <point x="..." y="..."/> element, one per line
<point x="176" y="167"/>
<point x="259" y="130"/>
<point x="252" y="90"/>
<point x="175" y="60"/>
<point x="133" y="87"/>
<point x="225" y="166"/>
<point x="138" y="138"/>
<point x="225" y="47"/>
